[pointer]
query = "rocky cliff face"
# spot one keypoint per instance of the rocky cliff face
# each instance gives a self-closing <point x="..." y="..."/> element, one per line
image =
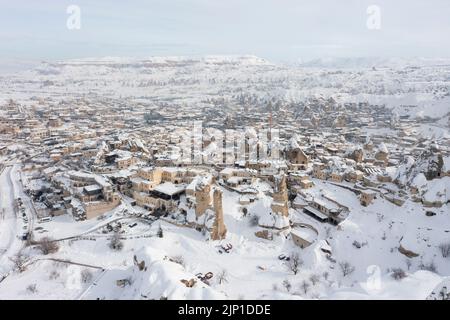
<point x="430" y="163"/>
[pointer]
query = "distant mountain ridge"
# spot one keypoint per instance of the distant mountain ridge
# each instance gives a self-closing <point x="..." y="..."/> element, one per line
<point x="370" y="62"/>
<point x="208" y="59"/>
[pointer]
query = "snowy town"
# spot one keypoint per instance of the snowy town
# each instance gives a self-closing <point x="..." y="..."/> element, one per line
<point x="227" y="192"/>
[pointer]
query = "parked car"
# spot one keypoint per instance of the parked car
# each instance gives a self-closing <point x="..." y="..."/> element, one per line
<point x="284" y="257"/>
<point x="45" y="219"/>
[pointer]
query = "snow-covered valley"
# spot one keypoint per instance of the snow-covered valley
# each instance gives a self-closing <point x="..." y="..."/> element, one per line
<point x="95" y="202"/>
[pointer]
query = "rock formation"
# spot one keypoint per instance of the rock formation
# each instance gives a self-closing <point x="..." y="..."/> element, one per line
<point x="280" y="197"/>
<point x="202" y="199"/>
<point x="219" y="230"/>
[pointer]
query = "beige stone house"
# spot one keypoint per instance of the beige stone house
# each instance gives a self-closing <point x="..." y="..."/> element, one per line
<point x="304" y="235"/>
<point x="337" y="176"/>
<point x="319" y="171"/>
<point x="96" y="208"/>
<point x="306" y="183"/>
<point x="235" y="177"/>
<point x="97" y="194"/>
<point x="141" y="185"/>
<point x="366" y="197"/>
<point x="297" y="158"/>
<point x="164" y="196"/>
<point x="125" y="162"/>
<point x="354" y="176"/>
<point x="151" y="173"/>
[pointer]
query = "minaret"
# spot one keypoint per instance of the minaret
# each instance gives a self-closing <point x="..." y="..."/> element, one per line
<point x="219" y="230"/>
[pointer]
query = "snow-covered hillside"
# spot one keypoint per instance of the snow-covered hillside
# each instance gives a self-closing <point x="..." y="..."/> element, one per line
<point x="417" y="87"/>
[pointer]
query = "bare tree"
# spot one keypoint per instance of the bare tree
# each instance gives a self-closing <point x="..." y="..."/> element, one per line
<point x="54" y="274"/>
<point x="47" y="245"/>
<point x="314" y="278"/>
<point x="327" y="232"/>
<point x="445" y="249"/>
<point x="160" y="232"/>
<point x="32" y="288"/>
<point x="443" y="294"/>
<point x="346" y="268"/>
<point x="305" y="286"/>
<point x="429" y="267"/>
<point x="19" y="262"/>
<point x="398" y="273"/>
<point x="408" y="263"/>
<point x="254" y="220"/>
<point x="86" y="276"/>
<point x="294" y="263"/>
<point x="116" y="243"/>
<point x="222" y="276"/>
<point x="287" y="285"/>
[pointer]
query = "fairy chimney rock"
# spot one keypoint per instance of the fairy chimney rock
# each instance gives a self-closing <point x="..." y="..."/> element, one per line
<point x="219" y="230"/>
<point x="280" y="197"/>
<point x="202" y="199"/>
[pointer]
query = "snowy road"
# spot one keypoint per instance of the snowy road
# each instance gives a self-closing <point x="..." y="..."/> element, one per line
<point x="9" y="224"/>
<point x="19" y="192"/>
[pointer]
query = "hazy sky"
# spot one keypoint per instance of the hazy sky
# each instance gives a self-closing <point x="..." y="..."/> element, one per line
<point x="279" y="30"/>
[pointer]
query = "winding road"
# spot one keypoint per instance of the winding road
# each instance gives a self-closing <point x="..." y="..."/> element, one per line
<point x="10" y="222"/>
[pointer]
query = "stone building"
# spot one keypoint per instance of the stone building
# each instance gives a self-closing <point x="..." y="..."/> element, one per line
<point x="367" y="197"/>
<point x="319" y="171"/>
<point x="382" y="154"/>
<point x="357" y="155"/>
<point x="304" y="235"/>
<point x="97" y="195"/>
<point x="297" y="158"/>
<point x="337" y="177"/>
